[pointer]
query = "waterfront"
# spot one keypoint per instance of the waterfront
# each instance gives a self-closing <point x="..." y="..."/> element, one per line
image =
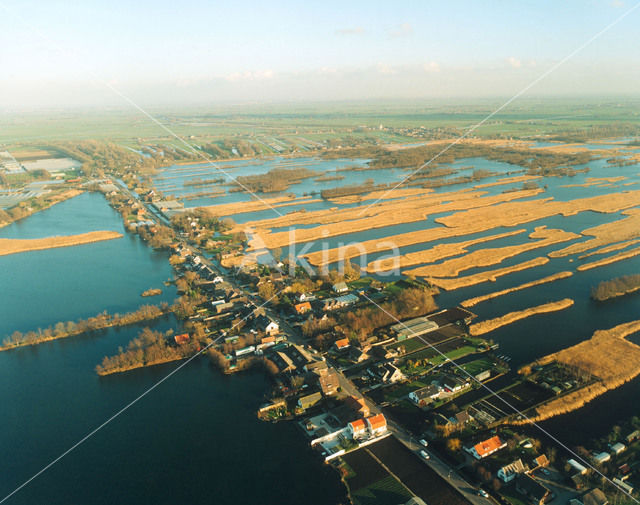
<point x="194" y="439"/>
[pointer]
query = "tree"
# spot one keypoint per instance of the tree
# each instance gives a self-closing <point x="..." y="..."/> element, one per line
<point x="266" y="291"/>
<point x="454" y="444"/>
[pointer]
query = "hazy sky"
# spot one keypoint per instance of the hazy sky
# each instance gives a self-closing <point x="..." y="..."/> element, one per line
<point x="62" y="52"/>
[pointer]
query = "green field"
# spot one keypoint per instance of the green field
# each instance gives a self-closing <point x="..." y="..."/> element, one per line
<point x="387" y="491"/>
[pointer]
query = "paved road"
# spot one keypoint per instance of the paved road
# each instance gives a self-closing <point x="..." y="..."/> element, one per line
<point x="436" y="464"/>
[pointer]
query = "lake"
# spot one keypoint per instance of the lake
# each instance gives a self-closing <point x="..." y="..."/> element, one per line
<point x="194" y="439"/>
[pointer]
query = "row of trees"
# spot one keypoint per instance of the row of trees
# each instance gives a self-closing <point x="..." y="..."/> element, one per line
<point x="73" y="328"/>
<point x="148" y="348"/>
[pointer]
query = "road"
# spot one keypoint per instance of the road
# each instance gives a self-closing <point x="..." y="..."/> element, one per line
<point x="437" y="465"/>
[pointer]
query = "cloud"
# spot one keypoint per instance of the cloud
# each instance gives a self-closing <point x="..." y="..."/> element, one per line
<point x="358" y="30"/>
<point x="259" y="75"/>
<point x="403" y="30"/>
<point x="514" y="62"/>
<point x="386" y="69"/>
<point x="432" y="66"/>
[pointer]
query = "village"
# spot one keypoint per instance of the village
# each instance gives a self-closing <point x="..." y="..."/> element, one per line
<point x="422" y="390"/>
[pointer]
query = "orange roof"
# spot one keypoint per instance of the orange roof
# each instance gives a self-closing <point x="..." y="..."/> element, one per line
<point x="303" y="307"/>
<point x="266" y="340"/>
<point x="376" y="422"/>
<point x="488" y="446"/>
<point x="343" y="342"/>
<point x="357" y="425"/>
<point x="182" y="338"/>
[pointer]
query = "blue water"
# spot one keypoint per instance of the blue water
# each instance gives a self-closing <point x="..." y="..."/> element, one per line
<point x="194" y="439"/>
<point x="43" y="287"/>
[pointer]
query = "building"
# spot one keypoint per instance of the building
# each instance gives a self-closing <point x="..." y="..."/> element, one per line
<point x="541" y="461"/>
<point x="453" y="384"/>
<point x="303" y="307"/>
<point x="425" y="395"/>
<point x="535" y="492"/>
<point x="413" y="328"/>
<point x="603" y="457"/>
<point x="377" y="425"/>
<point x="340" y="287"/>
<point x="389" y="373"/>
<point x="633" y="436"/>
<point x="582" y="470"/>
<point x="618" y="448"/>
<point x="329" y="383"/>
<point x="509" y="472"/>
<point x="486" y="447"/>
<point x="341" y="344"/>
<point x="594" y="497"/>
<point x="339" y="302"/>
<point x="308" y="401"/>
<point x="358" y="405"/>
<point x="181" y="339"/>
<point x="357" y="428"/>
<point x="263" y="323"/>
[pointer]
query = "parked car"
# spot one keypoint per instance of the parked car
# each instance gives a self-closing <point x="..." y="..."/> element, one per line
<point x="483" y="493"/>
<point x="424" y="442"/>
<point x="424" y="454"/>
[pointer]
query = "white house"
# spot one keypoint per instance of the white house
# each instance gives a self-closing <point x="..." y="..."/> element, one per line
<point x="377" y="424"/>
<point x="217" y="279"/>
<point x="509" y="472"/>
<point x="357" y="428"/>
<point x="340" y="287"/>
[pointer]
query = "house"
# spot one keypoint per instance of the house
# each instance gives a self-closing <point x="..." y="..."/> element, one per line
<point x="453" y="384"/>
<point x="306" y="297"/>
<point x="358" y="405"/>
<point x="340" y="287"/>
<point x="594" y="497"/>
<point x="217" y="279"/>
<point x="535" y="492"/>
<point x="339" y="302"/>
<point x="358" y="355"/>
<point x="390" y="373"/>
<point x="486" y="447"/>
<point x="541" y="461"/>
<point x="633" y="436"/>
<point x="461" y="418"/>
<point x="329" y="383"/>
<point x="603" y="457"/>
<point x="509" y="472"/>
<point x="308" y="401"/>
<point x="425" y="395"/>
<point x="618" y="448"/>
<point x="377" y="424"/>
<point x="303" y="307"/>
<point x="181" y="339"/>
<point x="357" y="428"/>
<point x="263" y="323"/>
<point x="341" y="344"/>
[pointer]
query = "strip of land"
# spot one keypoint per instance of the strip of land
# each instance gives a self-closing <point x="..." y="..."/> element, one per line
<point x="605" y="234"/>
<point x="458" y="224"/>
<point x="14" y="246"/>
<point x="608" y="355"/>
<point x="229" y="209"/>
<point x="433" y="254"/>
<point x="551" y="278"/>
<point x="487" y="275"/>
<point x="610" y="248"/>
<point x="493" y="256"/>
<point x="489" y="325"/>
<point x="335" y="222"/>
<point x="610" y="259"/>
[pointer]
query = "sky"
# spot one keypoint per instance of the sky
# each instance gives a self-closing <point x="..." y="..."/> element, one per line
<point x="63" y="53"/>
